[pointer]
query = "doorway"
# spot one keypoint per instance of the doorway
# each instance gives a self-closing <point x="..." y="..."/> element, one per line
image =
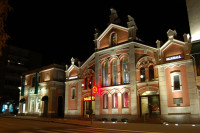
<point x="60" y="107"/>
<point x="150" y="104"/>
<point x="86" y="107"/>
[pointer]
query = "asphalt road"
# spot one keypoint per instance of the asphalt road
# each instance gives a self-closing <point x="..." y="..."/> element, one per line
<point x="19" y="125"/>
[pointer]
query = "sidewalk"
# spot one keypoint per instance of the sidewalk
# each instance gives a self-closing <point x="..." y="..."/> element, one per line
<point x="142" y="127"/>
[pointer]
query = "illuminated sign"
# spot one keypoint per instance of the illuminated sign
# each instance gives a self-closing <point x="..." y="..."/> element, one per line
<point x="89" y="99"/>
<point x="94" y="89"/>
<point x="74" y="77"/>
<point x="173" y="57"/>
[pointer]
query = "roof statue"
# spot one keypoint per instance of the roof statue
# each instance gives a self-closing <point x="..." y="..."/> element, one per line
<point x="114" y="17"/>
<point x="131" y="22"/>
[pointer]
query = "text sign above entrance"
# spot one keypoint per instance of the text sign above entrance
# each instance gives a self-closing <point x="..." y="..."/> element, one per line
<point x="89" y="98"/>
<point x="173" y="57"/>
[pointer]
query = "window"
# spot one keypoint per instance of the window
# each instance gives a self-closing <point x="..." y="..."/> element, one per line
<point x="178" y="101"/>
<point x="151" y="73"/>
<point x="124" y="71"/>
<point x="105" y="73"/>
<point x="142" y="74"/>
<point x="115" y="100"/>
<point x="176" y="81"/>
<point x="114" y="73"/>
<point x="125" y="100"/>
<point x="73" y="93"/>
<point x="86" y="83"/>
<point x="105" y="101"/>
<point x="113" y="39"/>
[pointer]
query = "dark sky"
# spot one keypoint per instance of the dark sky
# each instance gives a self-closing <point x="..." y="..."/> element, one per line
<point x="61" y="29"/>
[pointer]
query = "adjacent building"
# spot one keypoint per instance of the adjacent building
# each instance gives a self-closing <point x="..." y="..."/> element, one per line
<point x="13" y="63"/>
<point x="42" y="92"/>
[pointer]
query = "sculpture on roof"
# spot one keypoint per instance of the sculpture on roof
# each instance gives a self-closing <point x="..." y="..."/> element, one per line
<point x="131" y="22"/>
<point x="114" y="17"/>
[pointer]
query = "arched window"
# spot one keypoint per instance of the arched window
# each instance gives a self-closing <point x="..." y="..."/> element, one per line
<point x="115" y="100"/>
<point x="73" y="93"/>
<point x="142" y="74"/>
<point x="105" y="74"/>
<point x="124" y="71"/>
<point x="113" y="39"/>
<point x="105" y="101"/>
<point x="151" y="73"/>
<point x="125" y="100"/>
<point x="114" y="73"/>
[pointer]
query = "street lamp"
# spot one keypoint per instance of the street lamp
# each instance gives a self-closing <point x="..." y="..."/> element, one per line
<point x="91" y="111"/>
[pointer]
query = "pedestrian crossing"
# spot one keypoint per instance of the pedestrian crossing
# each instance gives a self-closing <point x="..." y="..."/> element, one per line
<point x="83" y="130"/>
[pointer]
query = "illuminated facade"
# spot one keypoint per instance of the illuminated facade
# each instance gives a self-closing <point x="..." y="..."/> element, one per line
<point x="133" y="79"/>
<point x="42" y="92"/>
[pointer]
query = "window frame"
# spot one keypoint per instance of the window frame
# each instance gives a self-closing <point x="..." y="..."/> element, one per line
<point x="115" y="100"/>
<point x="73" y="93"/>
<point x="105" y="101"/>
<point x="124" y="62"/>
<point x="151" y="73"/>
<point x="172" y="81"/>
<point x="105" y="73"/>
<point x="123" y="100"/>
<point x="114" y="70"/>
<point x="144" y="78"/>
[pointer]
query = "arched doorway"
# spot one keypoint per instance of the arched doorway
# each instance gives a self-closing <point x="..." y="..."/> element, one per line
<point x="149" y="103"/>
<point x="45" y="100"/>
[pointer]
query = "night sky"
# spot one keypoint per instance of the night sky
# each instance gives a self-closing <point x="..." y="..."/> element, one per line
<point x="60" y="29"/>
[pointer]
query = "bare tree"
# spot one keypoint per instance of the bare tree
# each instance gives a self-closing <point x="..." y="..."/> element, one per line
<point x="4" y="9"/>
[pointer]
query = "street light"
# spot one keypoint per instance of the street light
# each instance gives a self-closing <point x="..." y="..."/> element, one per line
<point x="91" y="111"/>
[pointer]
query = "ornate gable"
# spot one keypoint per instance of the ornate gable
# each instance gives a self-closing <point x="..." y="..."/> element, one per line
<point x="115" y="33"/>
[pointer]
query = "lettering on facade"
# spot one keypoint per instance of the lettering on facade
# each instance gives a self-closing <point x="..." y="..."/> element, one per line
<point x="173" y="58"/>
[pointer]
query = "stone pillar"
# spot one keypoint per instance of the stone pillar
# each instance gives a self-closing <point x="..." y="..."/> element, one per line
<point x="132" y="81"/>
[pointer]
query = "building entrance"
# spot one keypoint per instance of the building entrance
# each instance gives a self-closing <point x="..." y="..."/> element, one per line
<point x="149" y="104"/>
<point x="87" y="106"/>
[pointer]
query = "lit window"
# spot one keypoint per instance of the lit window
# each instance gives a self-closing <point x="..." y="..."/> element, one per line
<point x="115" y="100"/>
<point x="124" y="70"/>
<point x="176" y="81"/>
<point x="125" y="100"/>
<point x="73" y="93"/>
<point x="113" y="39"/>
<point x="105" y="101"/>
<point x="142" y="74"/>
<point x="151" y="73"/>
<point x="105" y="73"/>
<point x="114" y="73"/>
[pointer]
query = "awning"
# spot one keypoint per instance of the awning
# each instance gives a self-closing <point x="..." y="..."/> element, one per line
<point x="23" y="100"/>
<point x="45" y="98"/>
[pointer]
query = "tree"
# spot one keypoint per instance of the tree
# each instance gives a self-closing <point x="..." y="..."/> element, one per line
<point x="4" y="9"/>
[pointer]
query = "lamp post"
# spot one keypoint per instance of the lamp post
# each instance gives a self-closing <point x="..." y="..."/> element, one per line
<point x="91" y="111"/>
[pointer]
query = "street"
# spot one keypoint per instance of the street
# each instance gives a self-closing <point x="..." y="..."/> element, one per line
<point x="48" y="125"/>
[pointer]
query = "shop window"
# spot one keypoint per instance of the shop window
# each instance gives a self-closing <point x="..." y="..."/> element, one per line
<point x="142" y="74"/>
<point x="105" y="101"/>
<point x="125" y="100"/>
<point x="105" y="74"/>
<point x="178" y="101"/>
<point x="124" y="71"/>
<point x="114" y="73"/>
<point x="113" y="39"/>
<point x="73" y="93"/>
<point x="115" y="100"/>
<point x="176" y="81"/>
<point x="151" y="73"/>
